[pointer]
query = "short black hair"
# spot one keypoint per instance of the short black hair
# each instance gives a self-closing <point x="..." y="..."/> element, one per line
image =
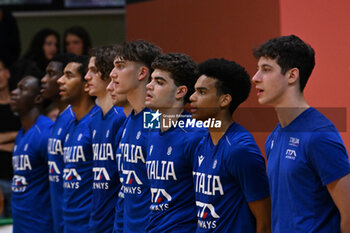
<point x="82" y="34"/>
<point x="104" y="59"/>
<point x="5" y="61"/>
<point x="183" y="70"/>
<point x="84" y="61"/>
<point x="140" y="51"/>
<point x="231" y="78"/>
<point x="290" y="52"/>
<point x="63" y="58"/>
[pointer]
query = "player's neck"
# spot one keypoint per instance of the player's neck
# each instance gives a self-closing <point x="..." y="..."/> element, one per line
<point x="287" y="112"/>
<point x="226" y="120"/>
<point x="136" y="98"/>
<point x="127" y="108"/>
<point x="61" y="105"/>
<point x="4" y="96"/>
<point x="82" y="107"/>
<point x="29" y="118"/>
<point x="105" y="102"/>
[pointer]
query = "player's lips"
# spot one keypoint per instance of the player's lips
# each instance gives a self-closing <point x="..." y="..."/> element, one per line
<point x="193" y="108"/>
<point x="13" y="100"/>
<point x="148" y="96"/>
<point x="61" y="91"/>
<point x="259" y="91"/>
<point x="43" y="89"/>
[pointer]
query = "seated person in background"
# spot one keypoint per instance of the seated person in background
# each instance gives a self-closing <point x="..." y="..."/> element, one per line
<point x="76" y="40"/>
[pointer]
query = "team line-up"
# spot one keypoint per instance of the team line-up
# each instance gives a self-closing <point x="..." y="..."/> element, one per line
<point x="109" y="163"/>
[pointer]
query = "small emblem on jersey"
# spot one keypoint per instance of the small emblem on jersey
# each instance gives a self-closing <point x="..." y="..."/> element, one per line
<point x="151" y="120"/>
<point x="107" y="134"/>
<point x="19" y="183"/>
<point x="215" y="163"/>
<point x="272" y="142"/>
<point x="131" y="177"/>
<point x="294" y="141"/>
<point x="59" y="131"/>
<point x="80" y="136"/>
<point x="53" y="167"/>
<point x="150" y="149"/>
<point x="67" y="136"/>
<point x="138" y="135"/>
<point x="170" y="149"/>
<point x="200" y="160"/>
<point x="291" y="154"/>
<point x="93" y="133"/>
<point x="100" y="173"/>
<point x="123" y="132"/>
<point x="26" y="147"/>
<point x="159" y="196"/>
<point x="203" y="210"/>
<point x="69" y="173"/>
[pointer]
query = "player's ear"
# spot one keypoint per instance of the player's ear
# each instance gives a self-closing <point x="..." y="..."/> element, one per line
<point x="143" y="73"/>
<point x="225" y="100"/>
<point x="293" y="75"/>
<point x="181" y="92"/>
<point x="38" y="99"/>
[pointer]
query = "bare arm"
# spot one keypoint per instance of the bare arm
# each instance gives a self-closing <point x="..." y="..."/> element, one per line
<point x="8" y="136"/>
<point x="340" y="193"/>
<point x="261" y="210"/>
<point x="8" y="147"/>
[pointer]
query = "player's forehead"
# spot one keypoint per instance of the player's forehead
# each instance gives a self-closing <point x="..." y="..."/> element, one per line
<point x="92" y="61"/>
<point x="205" y="82"/>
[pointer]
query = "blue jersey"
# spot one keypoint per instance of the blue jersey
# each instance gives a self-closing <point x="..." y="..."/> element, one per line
<point x="56" y="164"/>
<point x="106" y="184"/>
<point x="31" y="208"/>
<point x="137" y="195"/>
<point x="227" y="176"/>
<point x="169" y="168"/>
<point x="119" y="207"/>
<point x="303" y="158"/>
<point x="78" y="175"/>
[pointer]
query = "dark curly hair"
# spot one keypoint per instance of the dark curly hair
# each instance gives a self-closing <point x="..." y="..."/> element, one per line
<point x="290" y="52"/>
<point x="139" y="51"/>
<point x="183" y="70"/>
<point x="82" y="34"/>
<point x="231" y="78"/>
<point x="84" y="61"/>
<point x="35" y="51"/>
<point x="104" y="59"/>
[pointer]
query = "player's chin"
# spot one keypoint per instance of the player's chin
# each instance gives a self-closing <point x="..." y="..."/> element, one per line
<point x="149" y="104"/>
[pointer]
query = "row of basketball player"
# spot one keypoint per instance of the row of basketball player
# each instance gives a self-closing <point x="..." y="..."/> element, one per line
<point x="124" y="155"/>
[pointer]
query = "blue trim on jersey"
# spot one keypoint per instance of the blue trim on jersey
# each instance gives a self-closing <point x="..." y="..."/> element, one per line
<point x="303" y="158"/>
<point x="169" y="168"/>
<point x="31" y="208"/>
<point x="78" y="175"/>
<point x="56" y="164"/>
<point x="228" y="176"/>
<point x="106" y="184"/>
